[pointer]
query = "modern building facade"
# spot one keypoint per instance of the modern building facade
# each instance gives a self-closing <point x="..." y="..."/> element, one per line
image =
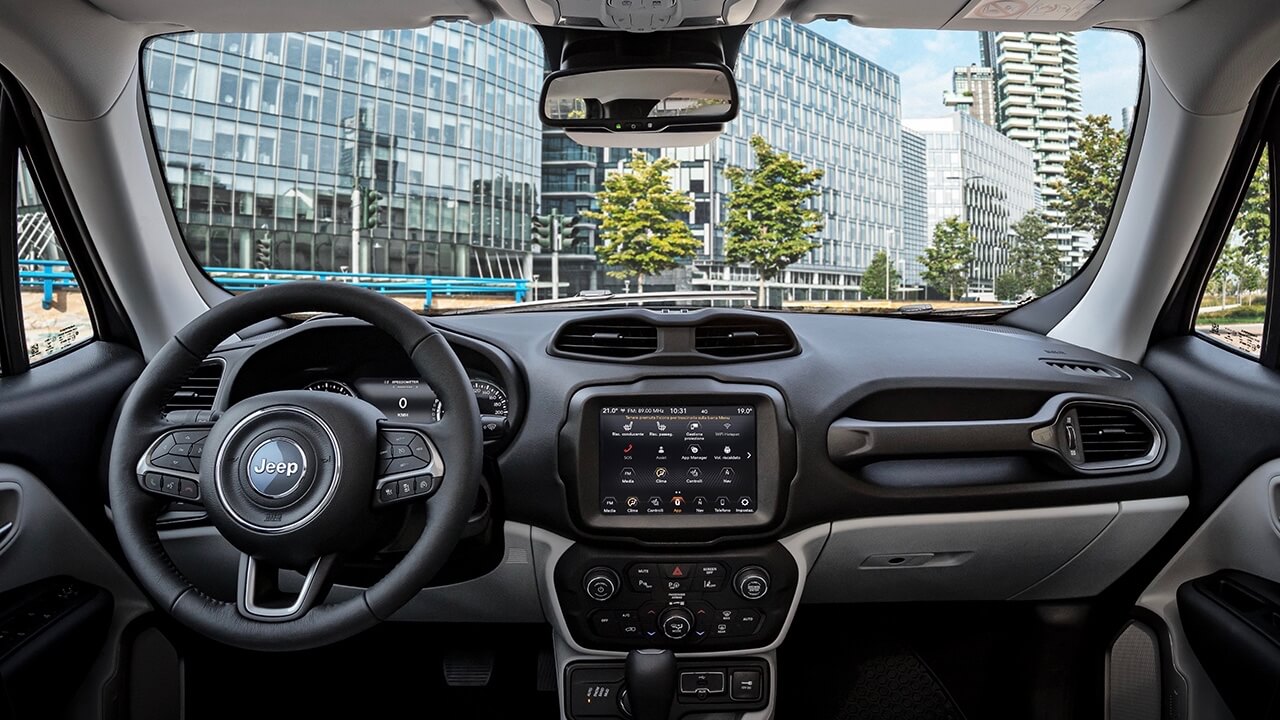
<point x="915" y="206"/>
<point x="817" y="101"/>
<point x="263" y="138"/>
<point x="973" y="91"/>
<point x="985" y="179"/>
<point x="1038" y="103"/>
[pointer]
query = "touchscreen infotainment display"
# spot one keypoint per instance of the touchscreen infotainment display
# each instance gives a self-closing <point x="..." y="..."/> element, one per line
<point x="677" y="460"/>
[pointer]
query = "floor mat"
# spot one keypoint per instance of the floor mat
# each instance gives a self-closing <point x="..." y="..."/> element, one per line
<point x="896" y="686"/>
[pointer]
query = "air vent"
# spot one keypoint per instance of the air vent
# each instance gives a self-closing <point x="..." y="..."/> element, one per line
<point x="198" y="391"/>
<point x="621" y="338"/>
<point x="743" y="338"/>
<point x="1113" y="434"/>
<point x="1085" y="369"/>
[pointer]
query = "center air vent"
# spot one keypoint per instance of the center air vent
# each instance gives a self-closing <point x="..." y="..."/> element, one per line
<point x="620" y="338"/>
<point x="1113" y="434"/>
<point x="741" y="338"/>
<point x="198" y="391"/>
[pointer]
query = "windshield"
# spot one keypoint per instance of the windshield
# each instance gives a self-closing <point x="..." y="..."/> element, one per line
<point x="866" y="170"/>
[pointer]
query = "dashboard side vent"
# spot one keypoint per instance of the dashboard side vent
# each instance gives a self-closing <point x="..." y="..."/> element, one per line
<point x="620" y="338"/>
<point x="1113" y="434"/>
<point x="743" y="338"/>
<point x="198" y="391"/>
<point x="1085" y="369"/>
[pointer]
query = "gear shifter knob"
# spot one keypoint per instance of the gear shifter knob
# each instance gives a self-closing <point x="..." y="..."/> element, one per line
<point x="651" y="683"/>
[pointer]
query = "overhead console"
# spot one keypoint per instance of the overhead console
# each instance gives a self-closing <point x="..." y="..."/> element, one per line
<point x="676" y="458"/>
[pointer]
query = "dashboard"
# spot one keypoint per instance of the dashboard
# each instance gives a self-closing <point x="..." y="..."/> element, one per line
<point x="685" y="478"/>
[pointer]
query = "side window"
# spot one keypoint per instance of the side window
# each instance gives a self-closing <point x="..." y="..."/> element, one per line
<point x="1233" y="308"/>
<point x="54" y="315"/>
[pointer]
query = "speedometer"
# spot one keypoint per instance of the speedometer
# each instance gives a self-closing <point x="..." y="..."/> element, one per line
<point x="331" y="386"/>
<point x="491" y="398"/>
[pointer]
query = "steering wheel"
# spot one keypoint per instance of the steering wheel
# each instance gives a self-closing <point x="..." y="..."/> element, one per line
<point x="293" y="479"/>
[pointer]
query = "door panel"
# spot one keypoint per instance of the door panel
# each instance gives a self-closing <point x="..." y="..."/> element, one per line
<point x="45" y="542"/>
<point x="55" y="418"/>
<point x="1231" y="408"/>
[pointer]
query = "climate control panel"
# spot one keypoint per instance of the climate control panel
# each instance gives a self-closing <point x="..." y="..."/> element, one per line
<point x="734" y="599"/>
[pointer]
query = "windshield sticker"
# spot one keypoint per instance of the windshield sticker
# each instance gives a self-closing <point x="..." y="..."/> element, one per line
<point x="1031" y="10"/>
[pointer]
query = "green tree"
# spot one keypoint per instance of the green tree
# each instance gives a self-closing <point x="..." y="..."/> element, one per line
<point x="1235" y="273"/>
<point x="946" y="260"/>
<point x="1033" y="260"/>
<point x="769" y="223"/>
<point x="873" y="278"/>
<point x="642" y="220"/>
<point x="1253" y="222"/>
<point x="1092" y="172"/>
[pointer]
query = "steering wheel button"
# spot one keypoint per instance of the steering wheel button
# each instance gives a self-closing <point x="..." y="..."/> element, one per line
<point x="197" y="449"/>
<point x="188" y="490"/>
<point x="162" y="448"/>
<point x="404" y="488"/>
<point x="153" y="481"/>
<point x="187" y="437"/>
<point x="405" y="464"/>
<point x="181" y="450"/>
<point x="398" y="451"/>
<point x="398" y="437"/>
<point x="423" y="484"/>
<point x="419" y="448"/>
<point x="387" y="493"/>
<point x="169" y="485"/>
<point x="174" y="462"/>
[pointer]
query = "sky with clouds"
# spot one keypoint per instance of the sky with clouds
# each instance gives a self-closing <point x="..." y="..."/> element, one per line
<point x="923" y="59"/>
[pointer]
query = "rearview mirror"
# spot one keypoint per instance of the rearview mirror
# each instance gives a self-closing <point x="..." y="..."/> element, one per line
<point x="650" y="99"/>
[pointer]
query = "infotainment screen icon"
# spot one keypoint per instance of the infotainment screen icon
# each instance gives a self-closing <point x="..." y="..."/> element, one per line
<point x="677" y="460"/>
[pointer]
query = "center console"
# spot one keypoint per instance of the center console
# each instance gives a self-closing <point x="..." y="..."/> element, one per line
<point x="646" y="466"/>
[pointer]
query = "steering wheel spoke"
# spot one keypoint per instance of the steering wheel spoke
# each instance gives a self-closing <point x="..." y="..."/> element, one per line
<point x="258" y="593"/>
<point x="409" y="466"/>
<point x="170" y="466"/>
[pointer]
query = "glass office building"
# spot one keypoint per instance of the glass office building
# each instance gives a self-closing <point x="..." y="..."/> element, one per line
<point x="978" y="175"/>
<point x="263" y="138"/>
<point x="915" y="207"/>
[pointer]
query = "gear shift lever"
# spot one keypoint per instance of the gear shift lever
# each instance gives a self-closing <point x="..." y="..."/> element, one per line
<point x="651" y="683"/>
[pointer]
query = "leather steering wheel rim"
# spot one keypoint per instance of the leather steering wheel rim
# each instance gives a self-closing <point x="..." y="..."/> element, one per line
<point x="457" y="438"/>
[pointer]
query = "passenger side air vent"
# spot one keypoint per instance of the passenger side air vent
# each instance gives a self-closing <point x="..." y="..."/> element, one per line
<point x="198" y="391"/>
<point x="1085" y="369"/>
<point x="743" y="338"/>
<point x="620" y="338"/>
<point x="1113" y="434"/>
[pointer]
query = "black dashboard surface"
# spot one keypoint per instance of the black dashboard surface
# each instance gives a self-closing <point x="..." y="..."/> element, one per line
<point x="869" y="368"/>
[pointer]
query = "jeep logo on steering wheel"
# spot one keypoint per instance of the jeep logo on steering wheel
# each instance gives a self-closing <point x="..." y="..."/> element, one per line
<point x="276" y="467"/>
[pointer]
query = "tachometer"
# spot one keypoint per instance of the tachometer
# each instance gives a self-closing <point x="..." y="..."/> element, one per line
<point x="491" y="399"/>
<point x="331" y="386"/>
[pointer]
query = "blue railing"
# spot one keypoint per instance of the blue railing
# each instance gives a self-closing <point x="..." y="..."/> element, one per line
<point x="53" y="275"/>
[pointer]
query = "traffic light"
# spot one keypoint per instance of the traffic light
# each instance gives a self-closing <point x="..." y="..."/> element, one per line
<point x="370" y="209"/>
<point x="544" y="230"/>
<point x="575" y="234"/>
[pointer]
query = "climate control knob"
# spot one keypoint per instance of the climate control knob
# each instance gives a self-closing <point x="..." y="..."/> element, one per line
<point x="751" y="582"/>
<point x="601" y="584"/>
<point x="676" y="622"/>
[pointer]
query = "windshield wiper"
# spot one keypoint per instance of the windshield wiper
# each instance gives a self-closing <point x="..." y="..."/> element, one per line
<point x="606" y="298"/>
